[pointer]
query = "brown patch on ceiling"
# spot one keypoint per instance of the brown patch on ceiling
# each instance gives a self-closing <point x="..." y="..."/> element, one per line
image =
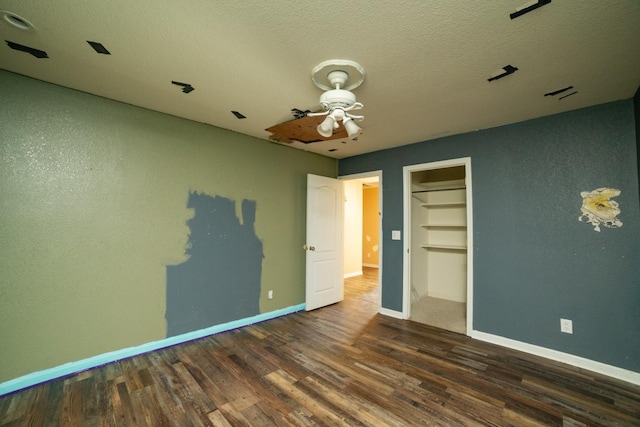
<point x="304" y="130"/>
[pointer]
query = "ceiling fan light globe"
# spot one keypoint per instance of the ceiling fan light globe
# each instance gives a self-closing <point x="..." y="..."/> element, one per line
<point x="353" y="130"/>
<point x="326" y="127"/>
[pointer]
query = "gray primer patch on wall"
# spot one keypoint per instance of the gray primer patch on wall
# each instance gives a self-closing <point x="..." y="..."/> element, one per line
<point x="220" y="282"/>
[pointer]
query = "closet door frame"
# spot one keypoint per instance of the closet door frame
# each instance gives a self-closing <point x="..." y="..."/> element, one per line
<point x="406" y="275"/>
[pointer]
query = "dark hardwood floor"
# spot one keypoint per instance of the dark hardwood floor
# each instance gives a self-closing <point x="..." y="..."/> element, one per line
<point x="339" y="365"/>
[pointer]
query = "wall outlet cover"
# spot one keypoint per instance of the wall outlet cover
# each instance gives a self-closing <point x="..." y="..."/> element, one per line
<point x="566" y="326"/>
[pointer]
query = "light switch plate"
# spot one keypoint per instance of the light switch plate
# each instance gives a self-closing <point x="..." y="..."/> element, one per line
<point x="395" y="234"/>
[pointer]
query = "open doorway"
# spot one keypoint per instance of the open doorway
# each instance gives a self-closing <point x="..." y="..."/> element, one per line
<point x="362" y="227"/>
<point x="438" y="233"/>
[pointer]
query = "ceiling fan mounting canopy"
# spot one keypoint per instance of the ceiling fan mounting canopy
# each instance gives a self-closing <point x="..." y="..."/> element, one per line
<point x="350" y="76"/>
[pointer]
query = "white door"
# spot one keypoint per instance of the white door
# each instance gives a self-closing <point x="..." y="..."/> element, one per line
<point x="325" y="208"/>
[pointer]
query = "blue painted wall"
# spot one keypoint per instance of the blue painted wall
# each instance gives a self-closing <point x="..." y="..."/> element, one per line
<point x="220" y="281"/>
<point x="534" y="262"/>
<point x="636" y="104"/>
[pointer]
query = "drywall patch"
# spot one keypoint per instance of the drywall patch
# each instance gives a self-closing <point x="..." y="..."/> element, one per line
<point x="220" y="282"/>
<point x="598" y="208"/>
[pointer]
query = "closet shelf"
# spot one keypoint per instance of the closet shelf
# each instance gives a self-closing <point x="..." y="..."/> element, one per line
<point x="438" y="246"/>
<point x="441" y="204"/>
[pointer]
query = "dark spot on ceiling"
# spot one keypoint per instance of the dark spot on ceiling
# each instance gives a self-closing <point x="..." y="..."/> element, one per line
<point x="508" y="69"/>
<point x="186" y="87"/>
<point x="528" y="9"/>
<point x="35" y="52"/>
<point x="99" y="47"/>
<point x="556" y="92"/>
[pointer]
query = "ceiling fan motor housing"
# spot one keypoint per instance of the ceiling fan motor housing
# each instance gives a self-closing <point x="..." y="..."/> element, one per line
<point x="337" y="98"/>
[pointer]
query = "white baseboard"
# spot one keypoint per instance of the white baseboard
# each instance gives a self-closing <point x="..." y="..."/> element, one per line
<point x="442" y="295"/>
<point x="371" y="265"/>
<point x="558" y="356"/>
<point x="391" y="313"/>
<point x="354" y="274"/>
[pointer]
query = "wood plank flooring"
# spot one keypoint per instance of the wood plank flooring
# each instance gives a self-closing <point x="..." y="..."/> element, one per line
<point x="342" y="365"/>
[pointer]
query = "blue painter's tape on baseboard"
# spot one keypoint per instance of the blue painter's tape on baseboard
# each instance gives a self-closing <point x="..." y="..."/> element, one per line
<point x="102" y="359"/>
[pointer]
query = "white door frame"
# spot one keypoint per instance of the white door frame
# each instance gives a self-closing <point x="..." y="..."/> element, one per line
<point x="371" y="174"/>
<point x="406" y="271"/>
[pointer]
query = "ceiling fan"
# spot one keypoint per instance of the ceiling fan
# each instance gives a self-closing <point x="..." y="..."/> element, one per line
<point x="337" y="77"/>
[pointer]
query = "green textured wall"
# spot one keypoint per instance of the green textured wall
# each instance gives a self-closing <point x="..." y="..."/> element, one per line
<point x="93" y="207"/>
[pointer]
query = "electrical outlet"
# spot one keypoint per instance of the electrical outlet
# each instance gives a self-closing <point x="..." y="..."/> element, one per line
<point x="270" y="294"/>
<point x="566" y="326"/>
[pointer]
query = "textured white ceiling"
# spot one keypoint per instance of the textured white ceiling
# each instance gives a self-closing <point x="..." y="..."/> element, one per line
<point x="427" y="62"/>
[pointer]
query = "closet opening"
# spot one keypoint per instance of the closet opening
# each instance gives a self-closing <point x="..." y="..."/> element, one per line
<point x="438" y="255"/>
